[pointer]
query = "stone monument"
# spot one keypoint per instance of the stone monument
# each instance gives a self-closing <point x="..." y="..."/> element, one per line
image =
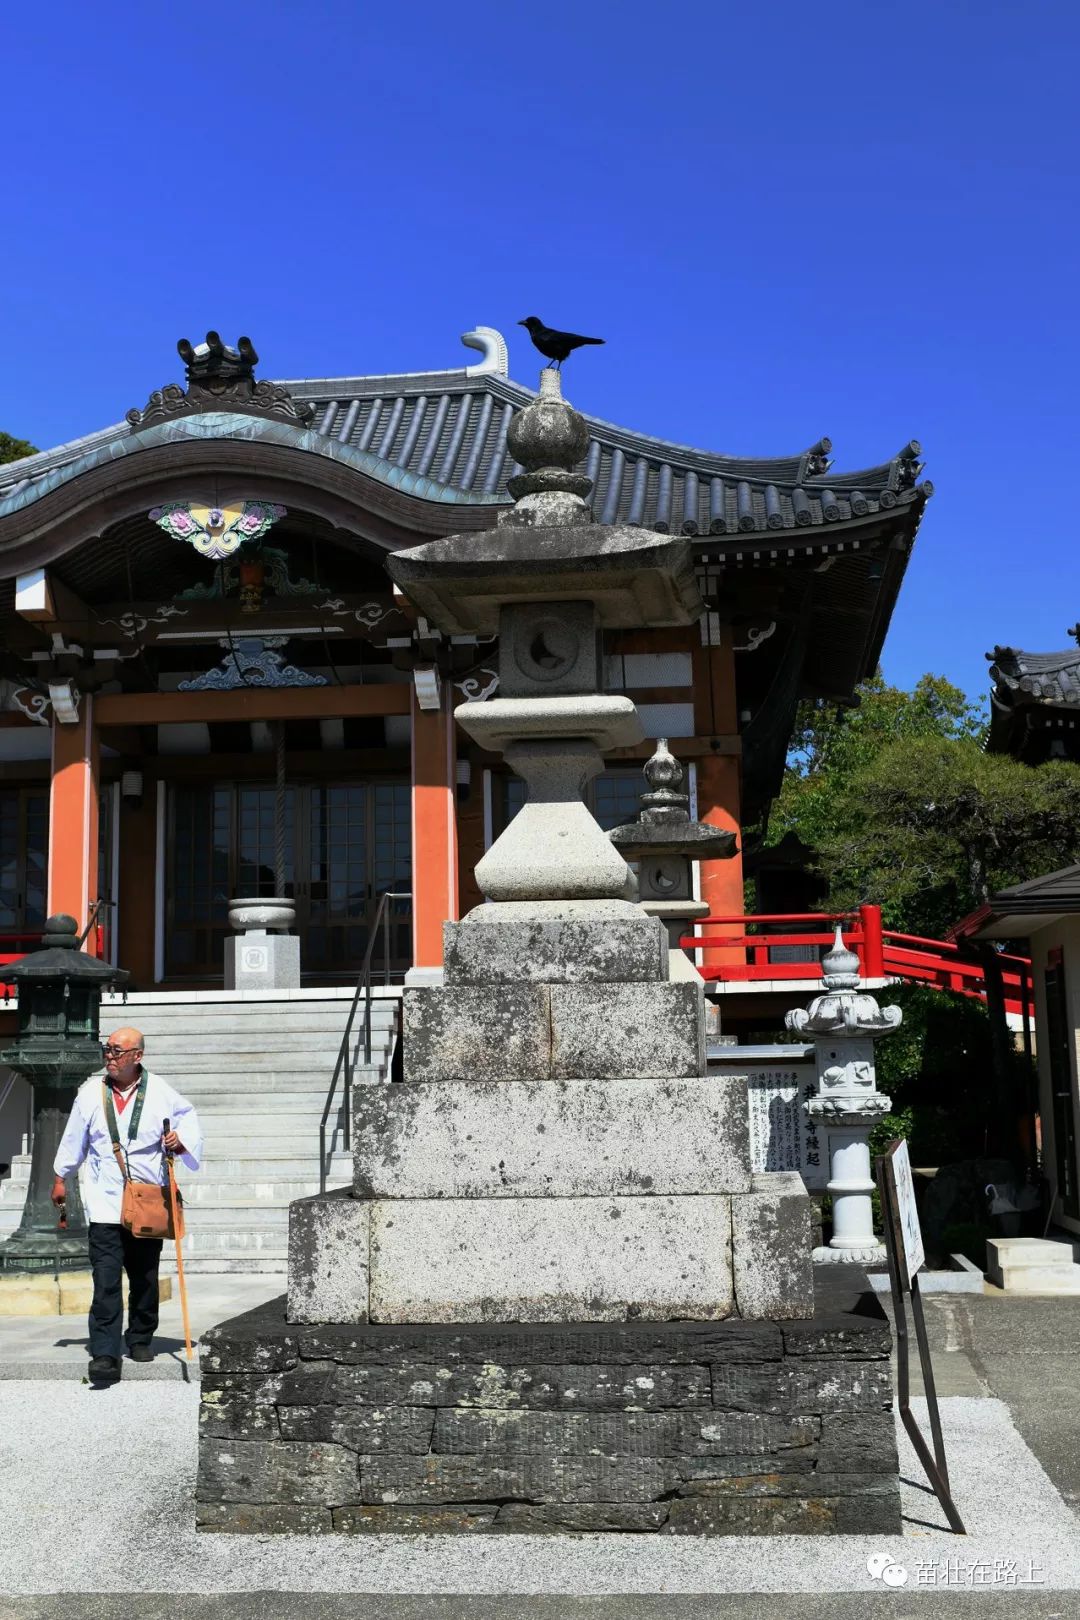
<point x="555" y="1297"/>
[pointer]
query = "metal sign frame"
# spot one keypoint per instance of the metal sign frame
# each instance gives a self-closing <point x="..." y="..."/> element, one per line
<point x="899" y="1220"/>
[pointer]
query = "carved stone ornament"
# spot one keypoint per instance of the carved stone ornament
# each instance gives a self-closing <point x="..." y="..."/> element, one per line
<point x="220" y="378"/>
<point x="216" y="531"/>
<point x="844" y="1009"/>
<point x="251" y="661"/>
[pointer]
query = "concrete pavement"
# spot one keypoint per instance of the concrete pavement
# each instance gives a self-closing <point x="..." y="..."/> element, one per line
<point x="54" y="1347"/>
<point x="361" y="1606"/>
<point x="987" y="1351"/>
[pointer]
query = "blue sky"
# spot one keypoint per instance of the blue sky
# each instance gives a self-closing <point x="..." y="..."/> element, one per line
<point x="856" y="220"/>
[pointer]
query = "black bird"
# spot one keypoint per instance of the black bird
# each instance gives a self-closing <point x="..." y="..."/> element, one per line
<point x="554" y="345"/>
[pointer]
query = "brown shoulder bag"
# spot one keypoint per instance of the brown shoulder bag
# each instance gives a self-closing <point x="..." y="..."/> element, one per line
<point x="145" y="1211"/>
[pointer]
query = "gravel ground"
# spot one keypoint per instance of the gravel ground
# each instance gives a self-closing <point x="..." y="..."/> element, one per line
<point x="95" y="1496"/>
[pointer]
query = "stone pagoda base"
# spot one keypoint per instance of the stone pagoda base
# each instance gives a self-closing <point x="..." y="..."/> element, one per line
<point x="682" y="1428"/>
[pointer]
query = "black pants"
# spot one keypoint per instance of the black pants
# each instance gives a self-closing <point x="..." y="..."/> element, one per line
<point x="113" y="1250"/>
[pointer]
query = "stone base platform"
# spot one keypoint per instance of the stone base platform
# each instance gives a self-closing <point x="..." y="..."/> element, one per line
<point x="681" y="1428"/>
<point x="69" y="1294"/>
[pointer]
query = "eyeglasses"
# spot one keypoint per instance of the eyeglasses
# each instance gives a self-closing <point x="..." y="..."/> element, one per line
<point x="117" y="1051"/>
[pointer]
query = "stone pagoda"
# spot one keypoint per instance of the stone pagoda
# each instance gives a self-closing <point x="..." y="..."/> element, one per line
<point x="555" y="1297"/>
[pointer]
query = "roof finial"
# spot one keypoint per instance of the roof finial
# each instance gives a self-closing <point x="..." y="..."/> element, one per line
<point x="664" y="774"/>
<point x="492" y="345"/>
<point x="839" y="966"/>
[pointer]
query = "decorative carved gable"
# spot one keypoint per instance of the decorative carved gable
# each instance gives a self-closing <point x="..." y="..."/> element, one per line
<point x="220" y="378"/>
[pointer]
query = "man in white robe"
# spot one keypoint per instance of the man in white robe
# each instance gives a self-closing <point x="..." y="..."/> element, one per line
<point x="143" y="1141"/>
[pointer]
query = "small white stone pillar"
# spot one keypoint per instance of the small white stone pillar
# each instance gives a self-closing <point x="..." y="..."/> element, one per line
<point x="844" y="1023"/>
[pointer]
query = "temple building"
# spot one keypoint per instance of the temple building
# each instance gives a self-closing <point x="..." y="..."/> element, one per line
<point x="209" y="689"/>
<point x="1035" y="703"/>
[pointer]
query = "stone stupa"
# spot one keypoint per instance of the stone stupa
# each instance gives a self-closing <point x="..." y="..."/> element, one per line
<point x="556" y="1297"/>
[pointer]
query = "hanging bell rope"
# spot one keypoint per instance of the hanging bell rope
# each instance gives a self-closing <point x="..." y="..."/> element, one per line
<point x="279" y="809"/>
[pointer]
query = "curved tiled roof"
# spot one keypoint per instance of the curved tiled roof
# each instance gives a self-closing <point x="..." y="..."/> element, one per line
<point x="443" y="433"/>
<point x="1047" y="678"/>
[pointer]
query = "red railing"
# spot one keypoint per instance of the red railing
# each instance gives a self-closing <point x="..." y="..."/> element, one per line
<point x="883" y="953"/>
<point x="13" y="947"/>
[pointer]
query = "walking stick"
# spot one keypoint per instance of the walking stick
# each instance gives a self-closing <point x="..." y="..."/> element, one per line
<point x="173" y="1206"/>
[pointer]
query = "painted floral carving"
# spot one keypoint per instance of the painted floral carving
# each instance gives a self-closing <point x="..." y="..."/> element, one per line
<point x="216" y="531"/>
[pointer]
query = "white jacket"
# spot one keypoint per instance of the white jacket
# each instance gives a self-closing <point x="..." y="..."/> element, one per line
<point x="86" y="1136"/>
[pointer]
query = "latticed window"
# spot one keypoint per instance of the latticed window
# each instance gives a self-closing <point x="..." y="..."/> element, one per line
<point x="24" y="858"/>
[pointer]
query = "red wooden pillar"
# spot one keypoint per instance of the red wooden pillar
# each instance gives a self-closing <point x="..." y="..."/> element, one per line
<point x="873" y="951"/>
<point x="719" y="781"/>
<point x="73" y="818"/>
<point x="434" y="832"/>
<point x="721" y="881"/>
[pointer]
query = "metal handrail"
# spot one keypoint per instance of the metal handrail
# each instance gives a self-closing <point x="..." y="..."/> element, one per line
<point x="344" y="1064"/>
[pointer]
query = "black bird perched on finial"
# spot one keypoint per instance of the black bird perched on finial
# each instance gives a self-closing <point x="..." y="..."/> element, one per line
<point x="554" y="345"/>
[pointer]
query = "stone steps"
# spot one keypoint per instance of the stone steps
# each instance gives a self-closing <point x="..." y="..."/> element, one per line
<point x="1032" y="1266"/>
<point x="257" y="1068"/>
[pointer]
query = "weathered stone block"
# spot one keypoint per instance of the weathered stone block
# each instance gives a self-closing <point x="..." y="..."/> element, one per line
<point x="551" y="1260"/>
<point x="400" y="1384"/>
<point x="535" y="1479"/>
<point x="361" y="1518"/>
<point x="757" y="1516"/>
<point x="803" y="1386"/>
<point x="239" y="1406"/>
<point x="772" y="1248"/>
<point x="275" y="1471"/>
<point x="611" y="1031"/>
<point x="870" y="1514"/>
<point x="504" y="945"/>
<point x="242" y="1353"/>
<point x="418" y="1345"/>
<point x="848" y="1318"/>
<point x="306" y="1385"/>
<point x="774" y="1480"/>
<point x="721" y="1476"/>
<point x="554" y="1139"/>
<point x="622" y="1434"/>
<point x="487" y="1384"/>
<point x="463" y="1032"/>
<point x="328" y="1259"/>
<point x="859" y="1443"/>
<point x="580" y="1517"/>
<point x="263" y="1518"/>
<point x="630" y="1388"/>
<point x="400" y="1429"/>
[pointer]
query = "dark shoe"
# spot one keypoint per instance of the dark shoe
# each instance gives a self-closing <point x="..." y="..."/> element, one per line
<point x="140" y="1352"/>
<point x="104" y="1368"/>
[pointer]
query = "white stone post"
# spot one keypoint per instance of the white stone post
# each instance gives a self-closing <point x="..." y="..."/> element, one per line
<point x="844" y="1023"/>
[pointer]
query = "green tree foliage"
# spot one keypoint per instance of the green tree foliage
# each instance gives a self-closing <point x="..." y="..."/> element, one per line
<point x="831" y="745"/>
<point x="905" y="808"/>
<point x="934" y="827"/>
<point x="15" y="449"/>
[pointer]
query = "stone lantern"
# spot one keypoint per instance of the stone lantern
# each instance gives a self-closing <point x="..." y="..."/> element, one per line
<point x="57" y="1046"/>
<point x="844" y="1023"/>
<point x="665" y="843"/>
